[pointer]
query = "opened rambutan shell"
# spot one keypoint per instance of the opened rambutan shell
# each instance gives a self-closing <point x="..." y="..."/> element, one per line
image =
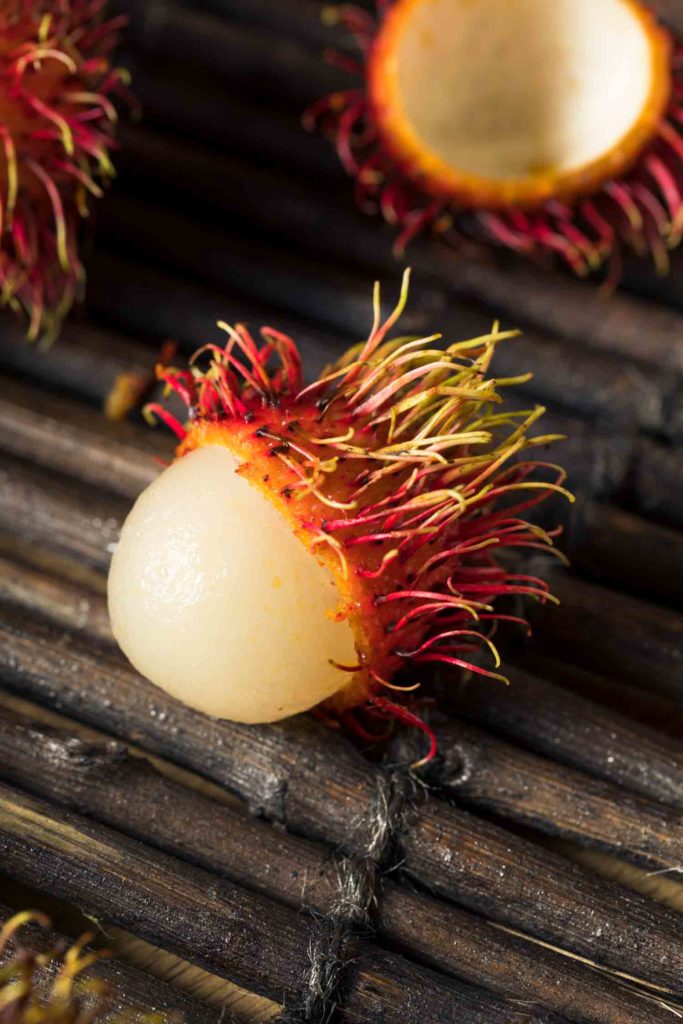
<point x="401" y="474"/>
<point x="543" y="128"/>
<point x="56" y="133"/>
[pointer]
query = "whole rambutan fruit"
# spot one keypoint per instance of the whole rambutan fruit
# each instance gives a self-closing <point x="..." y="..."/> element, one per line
<point x="56" y="132"/>
<point x="546" y="128"/>
<point x="309" y="543"/>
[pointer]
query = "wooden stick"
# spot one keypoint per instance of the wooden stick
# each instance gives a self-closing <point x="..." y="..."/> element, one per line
<point x="628" y="327"/>
<point x="68" y="437"/>
<point x="215" y="924"/>
<point x="147" y="302"/>
<point x="72" y="520"/>
<point x="87" y="361"/>
<point x="132" y="994"/>
<point x="327" y="792"/>
<point x="661" y="714"/>
<point x="544" y="717"/>
<point x="594" y="385"/>
<point x="98" y="778"/>
<point x="60" y="434"/>
<point x="522" y="295"/>
<point x="507" y="285"/>
<point x="39" y="595"/>
<point x="617" y="635"/>
<point x="188" y="104"/>
<point x="502" y="780"/>
<point x="73" y="605"/>
<point x="271" y="67"/>
<point x="104" y="456"/>
<point x="229" y="259"/>
<point x="166" y="902"/>
<point x="301" y="19"/>
<point x="613" y="634"/>
<point x="654" y="486"/>
<point x="576" y="731"/>
<point x="492" y="776"/>
<point x="599" y="538"/>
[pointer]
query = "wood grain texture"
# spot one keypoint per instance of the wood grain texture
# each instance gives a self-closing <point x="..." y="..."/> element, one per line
<point x="268" y="231"/>
<point x="628" y="326"/>
<point x="122" y="457"/>
<point x="483" y="772"/>
<point x="599" y="537"/>
<point x="593" y="384"/>
<point x="576" y="731"/>
<point x="86" y="362"/>
<point x="65" y="601"/>
<point x="101" y="780"/>
<point x="529" y="295"/>
<point x="181" y="908"/>
<point x="274" y="68"/>
<point x="300" y="774"/>
<point x="53" y="431"/>
<point x="223" y="928"/>
<point x="614" y="634"/>
<point x="500" y="779"/>
<point x="57" y="435"/>
<point x="43" y="510"/>
<point x="654" y="483"/>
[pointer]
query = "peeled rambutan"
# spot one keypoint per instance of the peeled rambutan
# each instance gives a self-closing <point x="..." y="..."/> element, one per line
<point x="547" y="128"/>
<point x="310" y="542"/>
<point x="56" y="131"/>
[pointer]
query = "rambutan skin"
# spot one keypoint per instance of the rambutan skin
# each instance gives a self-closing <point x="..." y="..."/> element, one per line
<point x="57" y="124"/>
<point x="398" y="470"/>
<point x="632" y="200"/>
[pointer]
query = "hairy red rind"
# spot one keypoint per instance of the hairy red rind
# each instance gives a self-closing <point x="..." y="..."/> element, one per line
<point x="56" y="133"/>
<point x="399" y="470"/>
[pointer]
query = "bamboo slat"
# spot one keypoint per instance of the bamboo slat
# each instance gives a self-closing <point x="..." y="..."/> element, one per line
<point x="329" y="791"/>
<point x="99" y="778"/>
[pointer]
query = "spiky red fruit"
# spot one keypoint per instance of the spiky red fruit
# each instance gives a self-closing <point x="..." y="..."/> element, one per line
<point x="494" y="122"/>
<point x="399" y="470"/>
<point x="56" y="132"/>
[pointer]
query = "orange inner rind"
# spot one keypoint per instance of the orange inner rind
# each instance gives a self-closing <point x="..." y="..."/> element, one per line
<point x="499" y="103"/>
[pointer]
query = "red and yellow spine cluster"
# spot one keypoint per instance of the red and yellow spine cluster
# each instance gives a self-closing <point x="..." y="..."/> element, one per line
<point x="400" y="470"/>
<point x="56" y="132"/>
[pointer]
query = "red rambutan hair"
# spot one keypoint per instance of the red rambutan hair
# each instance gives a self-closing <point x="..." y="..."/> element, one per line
<point x="56" y="132"/>
<point x="400" y="470"/>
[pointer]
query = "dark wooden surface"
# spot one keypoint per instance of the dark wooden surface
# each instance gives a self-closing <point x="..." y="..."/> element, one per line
<point x="224" y="208"/>
<point x="576" y="731"/>
<point x="98" y="778"/>
<point x="314" y="783"/>
<point x="217" y="925"/>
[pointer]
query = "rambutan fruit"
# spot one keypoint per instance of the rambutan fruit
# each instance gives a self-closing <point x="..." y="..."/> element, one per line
<point x="310" y="542"/>
<point x="56" y="131"/>
<point x="547" y="128"/>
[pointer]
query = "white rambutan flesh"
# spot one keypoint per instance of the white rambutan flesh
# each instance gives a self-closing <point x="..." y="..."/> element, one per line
<point x="507" y="90"/>
<point x="214" y="599"/>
